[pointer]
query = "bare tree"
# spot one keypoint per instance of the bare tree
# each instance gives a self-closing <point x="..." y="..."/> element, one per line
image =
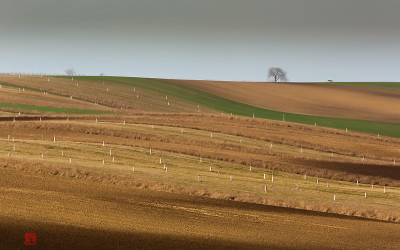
<point x="70" y="72"/>
<point x="277" y="75"/>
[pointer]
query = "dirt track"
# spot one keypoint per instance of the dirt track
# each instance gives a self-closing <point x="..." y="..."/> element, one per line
<point x="71" y="213"/>
<point x="309" y="98"/>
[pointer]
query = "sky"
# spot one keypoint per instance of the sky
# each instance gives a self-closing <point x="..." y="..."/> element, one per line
<point x="312" y="40"/>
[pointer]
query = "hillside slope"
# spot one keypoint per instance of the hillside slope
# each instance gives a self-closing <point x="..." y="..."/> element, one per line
<point x="138" y="95"/>
<point x="352" y="102"/>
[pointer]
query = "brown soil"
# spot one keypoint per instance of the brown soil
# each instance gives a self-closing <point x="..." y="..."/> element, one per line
<point x="77" y="213"/>
<point x="27" y="97"/>
<point x="308" y="98"/>
<point x="378" y="168"/>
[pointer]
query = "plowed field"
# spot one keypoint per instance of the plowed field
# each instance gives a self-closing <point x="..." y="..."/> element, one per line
<point x="309" y="98"/>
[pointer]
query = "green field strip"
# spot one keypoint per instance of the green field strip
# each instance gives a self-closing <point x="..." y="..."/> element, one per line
<point x="51" y="109"/>
<point x="215" y="102"/>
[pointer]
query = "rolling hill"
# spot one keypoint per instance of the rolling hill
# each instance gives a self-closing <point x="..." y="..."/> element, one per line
<point x="92" y="157"/>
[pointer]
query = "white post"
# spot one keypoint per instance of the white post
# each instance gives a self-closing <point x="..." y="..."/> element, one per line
<point x="168" y="103"/>
<point x="264" y="176"/>
<point x="70" y="160"/>
<point x="160" y="161"/>
<point x="265" y="188"/>
<point x="103" y="143"/>
<point x="42" y="155"/>
<point x="152" y="126"/>
<point x="62" y="152"/>
<point x="210" y="169"/>
<point x="103" y="161"/>
<point x="365" y="195"/>
<point x="357" y="182"/>
<point x="137" y="96"/>
<point x="107" y="89"/>
<point x="211" y="135"/>
<point x="124" y="122"/>
<point x="133" y="169"/>
<point x="384" y="190"/>
<point x="305" y="176"/>
<point x="40" y="119"/>
<point x="54" y="139"/>
<point x="253" y="115"/>
<point x="272" y="178"/>
<point x="164" y="166"/>
<point x="166" y="169"/>
<point x="198" y="178"/>
<point x="297" y="185"/>
<point x="317" y="180"/>
<point x="250" y="168"/>
<point x="96" y="119"/>
<point x="13" y="139"/>
<point x="166" y="97"/>
<point x="110" y="152"/>
<point x="113" y="159"/>
<point x="270" y="146"/>
<point x="201" y="159"/>
<point x="346" y="130"/>
<point x="8" y="137"/>
<point x="334" y="197"/>
<point x="150" y="150"/>
<point x="230" y="178"/>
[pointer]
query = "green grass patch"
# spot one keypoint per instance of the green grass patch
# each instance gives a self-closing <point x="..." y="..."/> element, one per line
<point x="51" y="109"/>
<point x="204" y="99"/>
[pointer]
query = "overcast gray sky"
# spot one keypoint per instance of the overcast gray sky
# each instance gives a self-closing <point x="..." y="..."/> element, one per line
<point x="313" y="40"/>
